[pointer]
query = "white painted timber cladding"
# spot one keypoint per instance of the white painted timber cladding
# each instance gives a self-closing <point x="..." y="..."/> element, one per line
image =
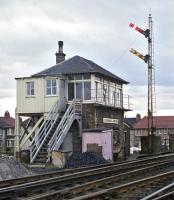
<point x="39" y="103"/>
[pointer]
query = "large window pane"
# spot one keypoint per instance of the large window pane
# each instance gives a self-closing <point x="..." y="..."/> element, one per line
<point x="53" y="83"/>
<point x="70" y="91"/>
<point x="87" y="90"/>
<point x="48" y="83"/>
<point x="28" y="88"/>
<point x="32" y="91"/>
<point x="48" y="91"/>
<point x="104" y="93"/>
<point x="54" y="90"/>
<point x="112" y="95"/>
<point x="78" y="90"/>
<point x="118" y="97"/>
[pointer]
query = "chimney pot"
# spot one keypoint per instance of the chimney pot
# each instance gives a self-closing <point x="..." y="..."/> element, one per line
<point x="60" y="56"/>
<point x="60" y="43"/>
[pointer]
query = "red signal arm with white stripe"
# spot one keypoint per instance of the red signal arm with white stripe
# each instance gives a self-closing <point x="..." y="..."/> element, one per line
<point x="137" y="28"/>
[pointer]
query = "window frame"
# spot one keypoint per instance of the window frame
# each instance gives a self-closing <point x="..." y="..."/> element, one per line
<point x="111" y="92"/>
<point x="10" y="143"/>
<point x="30" y="88"/>
<point x="10" y="131"/>
<point x="85" y="91"/>
<point x="51" y="87"/>
<point x="75" y="79"/>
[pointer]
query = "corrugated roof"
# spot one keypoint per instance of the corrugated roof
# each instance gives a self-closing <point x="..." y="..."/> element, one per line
<point x="160" y="122"/>
<point x="77" y="65"/>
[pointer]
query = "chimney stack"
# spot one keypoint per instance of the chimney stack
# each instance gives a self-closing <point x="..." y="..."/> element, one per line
<point x="60" y="56"/>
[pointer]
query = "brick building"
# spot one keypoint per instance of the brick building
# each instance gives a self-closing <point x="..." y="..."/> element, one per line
<point x="7" y="136"/>
<point x="164" y="128"/>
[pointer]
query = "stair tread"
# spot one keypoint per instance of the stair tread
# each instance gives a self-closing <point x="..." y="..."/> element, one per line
<point x="53" y="123"/>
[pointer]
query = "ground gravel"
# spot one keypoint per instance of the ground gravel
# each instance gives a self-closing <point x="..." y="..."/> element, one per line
<point x="10" y="168"/>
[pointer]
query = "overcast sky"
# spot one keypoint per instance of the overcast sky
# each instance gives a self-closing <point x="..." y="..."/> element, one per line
<point x="97" y="30"/>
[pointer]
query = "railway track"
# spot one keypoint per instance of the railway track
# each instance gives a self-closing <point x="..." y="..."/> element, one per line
<point x="92" y="187"/>
<point x="73" y="185"/>
<point x="120" y="165"/>
<point x="132" y="190"/>
<point x="165" y="193"/>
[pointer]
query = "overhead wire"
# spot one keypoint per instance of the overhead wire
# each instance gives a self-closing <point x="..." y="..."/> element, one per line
<point x="125" y="51"/>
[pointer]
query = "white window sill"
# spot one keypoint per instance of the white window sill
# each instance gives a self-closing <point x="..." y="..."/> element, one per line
<point x="30" y="96"/>
<point x="51" y="95"/>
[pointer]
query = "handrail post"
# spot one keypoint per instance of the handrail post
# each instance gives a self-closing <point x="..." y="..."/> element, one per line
<point x="43" y="131"/>
<point x="64" y="125"/>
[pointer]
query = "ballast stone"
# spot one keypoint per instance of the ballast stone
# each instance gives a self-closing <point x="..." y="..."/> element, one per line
<point x="10" y="168"/>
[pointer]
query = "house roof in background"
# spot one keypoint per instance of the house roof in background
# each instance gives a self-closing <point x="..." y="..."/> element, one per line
<point x="130" y="121"/>
<point x="160" y="122"/>
<point x="7" y="121"/>
<point x="2" y="125"/>
<point x="78" y="65"/>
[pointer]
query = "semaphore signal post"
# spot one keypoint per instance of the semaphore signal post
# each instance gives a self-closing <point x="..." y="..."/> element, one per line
<point x="148" y="58"/>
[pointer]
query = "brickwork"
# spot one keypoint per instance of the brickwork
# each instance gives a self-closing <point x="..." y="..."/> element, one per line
<point x="88" y="116"/>
<point x="76" y="138"/>
<point x="92" y="117"/>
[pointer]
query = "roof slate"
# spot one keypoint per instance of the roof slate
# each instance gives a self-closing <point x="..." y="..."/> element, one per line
<point x="7" y="122"/>
<point x="131" y="121"/>
<point x="78" y="65"/>
<point x="160" y="122"/>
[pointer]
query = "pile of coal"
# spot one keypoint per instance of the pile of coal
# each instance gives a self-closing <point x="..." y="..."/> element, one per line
<point x="10" y="168"/>
<point x="84" y="159"/>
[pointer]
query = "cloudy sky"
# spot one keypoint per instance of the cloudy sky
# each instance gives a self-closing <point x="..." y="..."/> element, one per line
<point x="97" y="30"/>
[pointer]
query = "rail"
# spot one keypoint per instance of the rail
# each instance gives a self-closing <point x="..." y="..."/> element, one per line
<point x="161" y="193"/>
<point x="119" y="165"/>
<point x="93" y="182"/>
<point x="130" y="190"/>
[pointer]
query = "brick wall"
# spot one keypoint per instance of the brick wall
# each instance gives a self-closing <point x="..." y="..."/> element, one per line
<point x="92" y="117"/>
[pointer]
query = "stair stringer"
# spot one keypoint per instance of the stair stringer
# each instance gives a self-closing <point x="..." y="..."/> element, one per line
<point x="73" y="113"/>
<point x="44" y="132"/>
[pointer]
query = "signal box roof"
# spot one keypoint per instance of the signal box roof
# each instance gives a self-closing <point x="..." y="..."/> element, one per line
<point x="78" y="65"/>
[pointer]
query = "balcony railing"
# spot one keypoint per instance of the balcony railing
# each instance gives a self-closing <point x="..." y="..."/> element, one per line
<point x="107" y="98"/>
<point x="123" y="102"/>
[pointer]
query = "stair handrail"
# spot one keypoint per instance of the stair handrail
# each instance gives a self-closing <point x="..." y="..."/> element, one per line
<point x="44" y="131"/>
<point x="65" y="123"/>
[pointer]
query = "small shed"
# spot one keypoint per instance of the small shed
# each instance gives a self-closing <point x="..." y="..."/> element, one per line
<point x="99" y="141"/>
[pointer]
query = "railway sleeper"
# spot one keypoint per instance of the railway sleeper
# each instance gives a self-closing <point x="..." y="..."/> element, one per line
<point x="49" y="187"/>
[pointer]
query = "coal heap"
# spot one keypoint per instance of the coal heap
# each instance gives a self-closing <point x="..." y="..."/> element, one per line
<point x="84" y="159"/>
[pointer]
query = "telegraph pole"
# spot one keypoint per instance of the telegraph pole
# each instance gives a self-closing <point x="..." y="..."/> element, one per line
<point x="148" y="58"/>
